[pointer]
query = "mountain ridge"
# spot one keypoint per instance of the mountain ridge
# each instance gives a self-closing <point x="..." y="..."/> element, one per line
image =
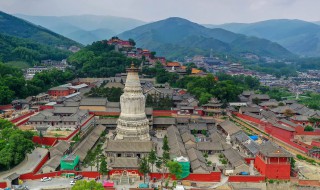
<point x="74" y="25"/>
<point x="177" y="32"/>
<point x="13" y="26"/>
<point x="298" y="36"/>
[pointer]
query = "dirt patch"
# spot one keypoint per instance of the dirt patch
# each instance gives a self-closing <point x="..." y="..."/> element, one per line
<point x="58" y="133"/>
<point x="26" y="127"/>
<point x="308" y="171"/>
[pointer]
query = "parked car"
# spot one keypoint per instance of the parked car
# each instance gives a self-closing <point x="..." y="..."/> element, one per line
<point x="73" y="182"/>
<point x="78" y="177"/>
<point x="44" y="179"/>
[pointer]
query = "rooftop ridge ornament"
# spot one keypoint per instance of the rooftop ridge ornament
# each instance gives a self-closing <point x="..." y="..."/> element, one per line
<point x="132" y="68"/>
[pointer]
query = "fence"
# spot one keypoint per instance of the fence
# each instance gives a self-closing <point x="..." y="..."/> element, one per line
<point x="3" y="184"/>
<point x="162" y="113"/>
<point x="22" y="117"/>
<point x="243" y="178"/>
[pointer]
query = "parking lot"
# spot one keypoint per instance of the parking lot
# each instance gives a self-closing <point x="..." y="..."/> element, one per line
<point x="54" y="183"/>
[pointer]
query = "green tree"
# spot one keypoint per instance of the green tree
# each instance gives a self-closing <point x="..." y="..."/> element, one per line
<point x="256" y="101"/>
<point x="152" y="158"/>
<point x="315" y="121"/>
<point x="4" y="124"/>
<point x="144" y="168"/>
<point x="132" y="42"/>
<point x="104" y="167"/>
<point x="87" y="185"/>
<point x="6" y="95"/>
<point x="14" y="146"/>
<point x="308" y="128"/>
<point x="175" y="169"/>
<point x="292" y="163"/>
<point x="90" y="159"/>
<point x="166" y="150"/>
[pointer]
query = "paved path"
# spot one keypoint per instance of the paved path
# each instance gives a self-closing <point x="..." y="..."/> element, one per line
<point x="28" y="165"/>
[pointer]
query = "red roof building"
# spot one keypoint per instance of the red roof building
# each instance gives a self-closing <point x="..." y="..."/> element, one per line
<point x="273" y="161"/>
<point x="60" y="91"/>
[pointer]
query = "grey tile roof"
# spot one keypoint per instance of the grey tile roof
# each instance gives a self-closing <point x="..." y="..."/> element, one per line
<point x="253" y="115"/>
<point x="53" y="162"/>
<point x="195" y="154"/>
<point x="188" y="137"/>
<point x="123" y="162"/>
<point x="88" y="142"/>
<point x="71" y="104"/>
<point x="249" y="109"/>
<point x="164" y="121"/>
<point x="233" y="157"/>
<point x="182" y="120"/>
<point x="65" y="110"/>
<point x="113" y="110"/>
<point x="176" y="144"/>
<point x="244" y="139"/>
<point x="108" y="121"/>
<point x="209" y="146"/>
<point x="93" y="102"/>
<point x="229" y="127"/>
<point x="59" y="88"/>
<point x="129" y="146"/>
<point x="289" y="123"/>
<point x="198" y="126"/>
<point x="113" y="105"/>
<point x="271" y="149"/>
<point x="215" y="137"/>
<point x="59" y="149"/>
<point x="197" y="164"/>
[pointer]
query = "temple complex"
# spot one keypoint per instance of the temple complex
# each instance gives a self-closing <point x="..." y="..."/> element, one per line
<point x="132" y="139"/>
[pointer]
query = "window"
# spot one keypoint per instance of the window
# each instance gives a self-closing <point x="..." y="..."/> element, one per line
<point x="118" y="155"/>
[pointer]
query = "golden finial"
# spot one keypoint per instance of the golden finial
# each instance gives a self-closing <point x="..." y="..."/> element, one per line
<point x="132" y="66"/>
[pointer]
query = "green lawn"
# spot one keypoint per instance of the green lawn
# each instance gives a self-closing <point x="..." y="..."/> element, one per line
<point x="18" y="64"/>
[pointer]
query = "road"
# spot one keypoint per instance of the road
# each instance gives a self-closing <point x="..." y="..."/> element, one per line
<point x="28" y="165"/>
<point x="291" y="149"/>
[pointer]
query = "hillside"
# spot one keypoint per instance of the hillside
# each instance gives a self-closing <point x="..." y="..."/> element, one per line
<point x="13" y="26"/>
<point x="297" y="36"/>
<point x="85" y="28"/>
<point x="26" y="50"/>
<point x="177" y="37"/>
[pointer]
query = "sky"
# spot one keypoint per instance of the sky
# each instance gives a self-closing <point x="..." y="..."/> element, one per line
<point x="200" y="11"/>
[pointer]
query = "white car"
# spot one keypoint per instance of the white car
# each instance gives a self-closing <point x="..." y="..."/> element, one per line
<point x="73" y="182"/>
<point x="44" y="179"/>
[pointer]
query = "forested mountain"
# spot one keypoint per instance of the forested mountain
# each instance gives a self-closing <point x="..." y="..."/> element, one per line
<point x="177" y="37"/>
<point x="100" y="60"/>
<point x="18" y="49"/>
<point x="85" y="28"/>
<point x="297" y="36"/>
<point x="13" y="26"/>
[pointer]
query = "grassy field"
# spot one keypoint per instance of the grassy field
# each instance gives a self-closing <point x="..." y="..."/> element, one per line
<point x="18" y="64"/>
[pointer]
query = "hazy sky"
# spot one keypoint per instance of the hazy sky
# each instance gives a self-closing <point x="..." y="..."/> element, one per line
<point x="201" y="11"/>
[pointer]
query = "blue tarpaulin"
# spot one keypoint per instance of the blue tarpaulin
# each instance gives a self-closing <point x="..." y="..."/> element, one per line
<point x="254" y="137"/>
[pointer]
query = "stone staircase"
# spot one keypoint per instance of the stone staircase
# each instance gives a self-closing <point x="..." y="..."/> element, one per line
<point x="124" y="180"/>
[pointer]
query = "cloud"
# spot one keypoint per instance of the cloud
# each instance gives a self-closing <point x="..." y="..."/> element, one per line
<point x="202" y="11"/>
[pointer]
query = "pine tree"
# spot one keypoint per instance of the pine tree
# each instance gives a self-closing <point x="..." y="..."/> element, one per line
<point x="144" y="168"/>
<point x="103" y="167"/>
<point x="152" y="158"/>
<point x="166" y="150"/>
